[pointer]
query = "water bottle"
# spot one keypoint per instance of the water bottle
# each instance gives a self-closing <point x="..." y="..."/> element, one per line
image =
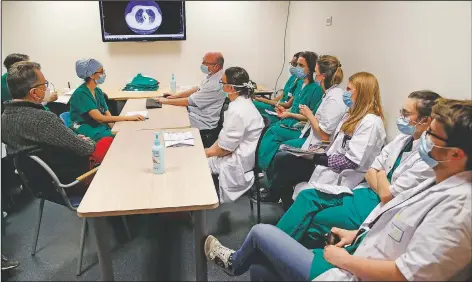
<point x="173" y="85"/>
<point x="158" y="163"/>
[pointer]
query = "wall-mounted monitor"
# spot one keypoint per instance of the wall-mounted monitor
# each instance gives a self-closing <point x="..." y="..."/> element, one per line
<point x="142" y="20"/>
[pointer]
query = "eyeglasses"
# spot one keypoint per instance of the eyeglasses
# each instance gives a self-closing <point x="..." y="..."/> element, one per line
<point x="292" y="64"/>
<point x="45" y="84"/>
<point x="100" y="72"/>
<point x="429" y="132"/>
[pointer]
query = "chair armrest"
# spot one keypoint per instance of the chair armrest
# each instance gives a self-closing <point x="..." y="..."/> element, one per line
<point x="87" y="174"/>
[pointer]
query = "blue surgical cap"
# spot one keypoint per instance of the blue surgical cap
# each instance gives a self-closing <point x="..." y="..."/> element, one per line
<point x="86" y="67"/>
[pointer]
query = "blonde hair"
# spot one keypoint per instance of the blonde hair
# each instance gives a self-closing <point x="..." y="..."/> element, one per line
<point x="367" y="101"/>
<point x="331" y="67"/>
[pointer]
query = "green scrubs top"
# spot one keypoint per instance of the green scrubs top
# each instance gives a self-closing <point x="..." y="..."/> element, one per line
<point x="81" y="103"/>
<point x="284" y="130"/>
<point x="289" y="88"/>
<point x="6" y="96"/>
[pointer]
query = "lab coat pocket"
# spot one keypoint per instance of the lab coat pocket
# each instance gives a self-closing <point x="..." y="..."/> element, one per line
<point x="398" y="234"/>
<point x="232" y="176"/>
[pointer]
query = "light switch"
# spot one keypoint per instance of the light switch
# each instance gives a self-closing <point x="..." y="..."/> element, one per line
<point x="329" y="20"/>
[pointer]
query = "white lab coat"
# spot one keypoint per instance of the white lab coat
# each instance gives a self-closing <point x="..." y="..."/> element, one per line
<point x="242" y="128"/>
<point x="329" y="114"/>
<point x="426" y="230"/>
<point x="365" y="145"/>
<point x="412" y="169"/>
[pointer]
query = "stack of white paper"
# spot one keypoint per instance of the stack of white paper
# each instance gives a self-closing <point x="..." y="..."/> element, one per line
<point x="178" y="139"/>
<point x="64" y="99"/>
<point x="143" y="113"/>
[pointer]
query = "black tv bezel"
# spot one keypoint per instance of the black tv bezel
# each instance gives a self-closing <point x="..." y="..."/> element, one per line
<point x="139" y="39"/>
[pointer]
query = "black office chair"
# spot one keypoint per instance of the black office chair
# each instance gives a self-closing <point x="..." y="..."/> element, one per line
<point x="258" y="174"/>
<point x="39" y="178"/>
<point x="209" y="136"/>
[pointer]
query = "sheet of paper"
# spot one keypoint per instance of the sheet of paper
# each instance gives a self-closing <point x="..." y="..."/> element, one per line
<point x="143" y="113"/>
<point x="178" y="139"/>
<point x="177" y="136"/>
<point x="271" y="112"/>
<point x="63" y="99"/>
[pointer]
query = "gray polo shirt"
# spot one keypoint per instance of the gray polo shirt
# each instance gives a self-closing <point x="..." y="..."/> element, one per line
<point x="205" y="105"/>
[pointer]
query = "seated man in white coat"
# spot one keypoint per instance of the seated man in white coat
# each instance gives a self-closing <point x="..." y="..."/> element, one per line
<point x="231" y="158"/>
<point x="205" y="101"/>
<point x="423" y="233"/>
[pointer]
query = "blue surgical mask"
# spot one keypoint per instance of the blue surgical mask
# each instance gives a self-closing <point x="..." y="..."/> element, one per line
<point x="317" y="82"/>
<point x="425" y="147"/>
<point x="292" y="70"/>
<point x="347" y="98"/>
<point x="204" y="69"/>
<point x="101" y="79"/>
<point x="405" y="127"/>
<point x="300" y="72"/>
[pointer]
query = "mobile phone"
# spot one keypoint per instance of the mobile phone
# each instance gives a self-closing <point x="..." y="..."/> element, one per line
<point x="331" y="238"/>
<point x="166" y="95"/>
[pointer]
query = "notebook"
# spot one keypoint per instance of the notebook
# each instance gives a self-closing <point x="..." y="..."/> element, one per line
<point x="178" y="139"/>
<point x="302" y="153"/>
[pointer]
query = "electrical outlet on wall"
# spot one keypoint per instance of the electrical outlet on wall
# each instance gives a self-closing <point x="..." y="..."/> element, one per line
<point x="329" y="20"/>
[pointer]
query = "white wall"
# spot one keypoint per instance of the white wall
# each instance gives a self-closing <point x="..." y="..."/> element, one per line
<point x="407" y="45"/>
<point x="56" y="34"/>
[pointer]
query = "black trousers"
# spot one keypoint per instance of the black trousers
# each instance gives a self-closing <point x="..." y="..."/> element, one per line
<point x="286" y="171"/>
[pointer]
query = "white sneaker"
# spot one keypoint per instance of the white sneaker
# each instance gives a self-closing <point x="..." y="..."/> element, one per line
<point x="219" y="254"/>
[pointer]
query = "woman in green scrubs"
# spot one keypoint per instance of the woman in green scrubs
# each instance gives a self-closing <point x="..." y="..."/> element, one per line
<point x="398" y="168"/>
<point x="88" y="110"/>
<point x="285" y="100"/>
<point x="307" y="93"/>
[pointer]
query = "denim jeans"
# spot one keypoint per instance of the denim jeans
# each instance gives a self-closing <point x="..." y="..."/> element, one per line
<point x="272" y="255"/>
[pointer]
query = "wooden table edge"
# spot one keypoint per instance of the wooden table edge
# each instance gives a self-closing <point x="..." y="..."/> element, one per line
<point x="148" y="211"/>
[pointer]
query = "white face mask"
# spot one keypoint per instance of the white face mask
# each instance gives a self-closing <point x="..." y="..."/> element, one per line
<point x="47" y="94"/>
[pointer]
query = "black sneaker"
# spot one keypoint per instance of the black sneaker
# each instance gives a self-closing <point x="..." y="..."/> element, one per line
<point x="8" y="264"/>
<point x="219" y="254"/>
<point x="266" y="196"/>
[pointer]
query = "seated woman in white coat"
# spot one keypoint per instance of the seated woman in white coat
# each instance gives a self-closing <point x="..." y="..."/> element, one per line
<point x="232" y="156"/>
<point x="321" y="125"/>
<point x="398" y="168"/>
<point x="422" y="234"/>
<point x="356" y="142"/>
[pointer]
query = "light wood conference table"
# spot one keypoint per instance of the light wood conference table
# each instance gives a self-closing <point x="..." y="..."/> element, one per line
<point x="126" y="95"/>
<point x="166" y="117"/>
<point x="126" y="185"/>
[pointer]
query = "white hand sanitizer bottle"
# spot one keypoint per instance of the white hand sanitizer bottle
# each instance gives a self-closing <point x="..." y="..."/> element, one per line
<point x="173" y="85"/>
<point x="158" y="163"/>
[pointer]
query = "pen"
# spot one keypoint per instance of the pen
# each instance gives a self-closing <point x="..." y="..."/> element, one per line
<point x="68" y="83"/>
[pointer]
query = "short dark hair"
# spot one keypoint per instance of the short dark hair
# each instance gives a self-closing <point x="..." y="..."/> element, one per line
<point x="239" y="76"/>
<point x="21" y="78"/>
<point x="311" y="58"/>
<point x="14" y="58"/>
<point x="426" y="99"/>
<point x="456" y="117"/>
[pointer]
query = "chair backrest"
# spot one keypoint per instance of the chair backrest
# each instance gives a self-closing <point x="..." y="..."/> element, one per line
<point x="65" y="116"/>
<point x="257" y="170"/>
<point x="39" y="178"/>
<point x="222" y="112"/>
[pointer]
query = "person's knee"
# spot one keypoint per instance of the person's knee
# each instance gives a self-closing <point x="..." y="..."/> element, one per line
<point x="261" y="230"/>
